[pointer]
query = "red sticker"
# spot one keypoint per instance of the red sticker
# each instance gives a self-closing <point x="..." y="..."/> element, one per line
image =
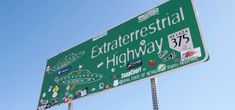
<point x="152" y="62"/>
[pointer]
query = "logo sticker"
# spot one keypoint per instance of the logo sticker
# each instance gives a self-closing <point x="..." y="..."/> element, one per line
<point x="65" y="70"/>
<point x="161" y="68"/>
<point x="191" y="54"/>
<point x="115" y="83"/>
<point x="79" y="77"/>
<point x="134" y="64"/>
<point x="101" y="86"/>
<point x="131" y="73"/>
<point x="169" y="57"/>
<point x="162" y="54"/>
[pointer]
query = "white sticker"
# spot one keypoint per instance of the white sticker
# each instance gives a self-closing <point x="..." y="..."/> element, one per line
<point x="115" y="83"/>
<point x="54" y="95"/>
<point x="93" y="89"/>
<point x="161" y="67"/>
<point x="181" y="40"/>
<point x="68" y="87"/>
<point x="50" y="89"/>
<point x="44" y="95"/>
<point x="83" y="93"/>
<point x="42" y="107"/>
<point x="99" y="36"/>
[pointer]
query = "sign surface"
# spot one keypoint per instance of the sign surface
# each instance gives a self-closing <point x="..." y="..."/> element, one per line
<point x="160" y="40"/>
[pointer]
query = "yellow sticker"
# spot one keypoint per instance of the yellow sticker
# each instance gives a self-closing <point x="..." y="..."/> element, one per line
<point x="56" y="89"/>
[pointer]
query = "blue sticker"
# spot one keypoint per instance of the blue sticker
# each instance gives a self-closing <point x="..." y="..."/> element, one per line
<point x="134" y="64"/>
<point x="64" y="70"/>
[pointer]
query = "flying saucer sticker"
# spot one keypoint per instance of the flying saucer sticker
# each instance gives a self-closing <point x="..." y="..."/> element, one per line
<point x="191" y="54"/>
<point x="79" y="78"/>
<point x="67" y="60"/>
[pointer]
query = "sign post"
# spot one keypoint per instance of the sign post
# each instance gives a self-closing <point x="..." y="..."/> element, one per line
<point x="70" y="106"/>
<point x="154" y="90"/>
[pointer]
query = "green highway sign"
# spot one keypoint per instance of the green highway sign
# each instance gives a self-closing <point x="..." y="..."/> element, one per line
<point x="162" y="39"/>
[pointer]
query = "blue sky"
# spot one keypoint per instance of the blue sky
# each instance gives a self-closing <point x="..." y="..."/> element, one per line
<point x="32" y="31"/>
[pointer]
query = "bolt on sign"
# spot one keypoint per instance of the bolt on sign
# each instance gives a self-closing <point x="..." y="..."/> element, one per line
<point x="162" y="39"/>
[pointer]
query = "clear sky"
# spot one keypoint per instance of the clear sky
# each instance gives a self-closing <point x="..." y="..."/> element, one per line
<point x="33" y="30"/>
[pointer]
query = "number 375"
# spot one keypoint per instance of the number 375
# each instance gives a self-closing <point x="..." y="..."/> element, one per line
<point x="179" y="40"/>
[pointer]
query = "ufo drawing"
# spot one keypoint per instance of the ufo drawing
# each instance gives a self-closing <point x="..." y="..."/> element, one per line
<point x="67" y="60"/>
<point x="79" y="77"/>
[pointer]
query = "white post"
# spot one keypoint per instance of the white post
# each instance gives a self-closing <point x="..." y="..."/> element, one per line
<point x="70" y="106"/>
<point x="154" y="90"/>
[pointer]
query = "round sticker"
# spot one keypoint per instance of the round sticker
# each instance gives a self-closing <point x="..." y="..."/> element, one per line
<point x="54" y="95"/>
<point x="101" y="85"/>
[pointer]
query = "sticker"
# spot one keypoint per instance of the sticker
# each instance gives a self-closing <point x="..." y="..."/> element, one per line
<point x="44" y="102"/>
<point x="152" y="62"/>
<point x="162" y="54"/>
<point x="101" y="86"/>
<point x="50" y="88"/>
<point x="42" y="107"/>
<point x="70" y="97"/>
<point x="161" y="67"/>
<point x="44" y="95"/>
<point x="131" y="73"/>
<point x="169" y="57"/>
<point x="80" y="77"/>
<point x="56" y="89"/>
<point x="54" y="95"/>
<point x="181" y="40"/>
<point x="191" y="54"/>
<point x="64" y="70"/>
<point x="93" y="89"/>
<point x="115" y="83"/>
<point x="148" y="14"/>
<point x="81" y="93"/>
<point x="99" y="36"/>
<point x="67" y="87"/>
<point x="66" y="100"/>
<point x="113" y="70"/>
<point x="52" y="102"/>
<point x="107" y="86"/>
<point x="134" y="64"/>
<point x="48" y="68"/>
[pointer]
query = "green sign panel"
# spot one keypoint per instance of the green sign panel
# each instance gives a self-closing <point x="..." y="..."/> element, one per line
<point x="160" y="40"/>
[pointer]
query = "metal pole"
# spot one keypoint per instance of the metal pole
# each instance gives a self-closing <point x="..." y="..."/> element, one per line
<point x="70" y="106"/>
<point x="154" y="90"/>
